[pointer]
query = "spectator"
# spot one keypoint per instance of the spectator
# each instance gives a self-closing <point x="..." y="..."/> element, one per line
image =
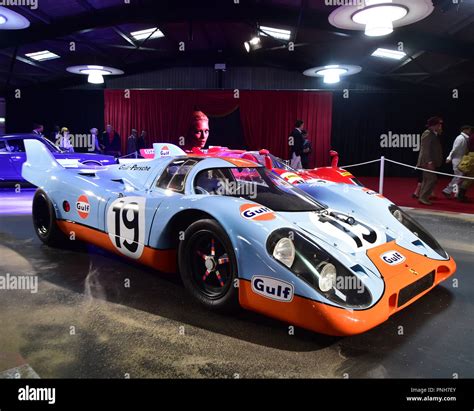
<point x="111" y="141"/>
<point x="141" y="141"/>
<point x="198" y="132"/>
<point x="306" y="149"/>
<point x="38" y="129"/>
<point x="296" y="145"/>
<point x="430" y="157"/>
<point x="95" y="145"/>
<point x="65" y="142"/>
<point x="132" y="144"/>
<point x="55" y="135"/>
<point x="459" y="150"/>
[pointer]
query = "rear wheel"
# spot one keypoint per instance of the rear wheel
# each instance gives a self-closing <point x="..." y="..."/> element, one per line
<point x="44" y="221"/>
<point x="208" y="265"/>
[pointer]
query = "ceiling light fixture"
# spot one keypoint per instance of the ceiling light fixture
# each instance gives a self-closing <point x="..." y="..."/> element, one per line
<point x="95" y="74"/>
<point x="280" y="34"/>
<point x="389" y="54"/>
<point x="332" y="74"/>
<point x="152" y="33"/>
<point x="42" y="55"/>
<point x="380" y="17"/>
<point x="11" y="20"/>
<point x="253" y="44"/>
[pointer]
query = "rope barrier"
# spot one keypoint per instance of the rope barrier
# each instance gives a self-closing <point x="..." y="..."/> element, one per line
<point x="407" y="165"/>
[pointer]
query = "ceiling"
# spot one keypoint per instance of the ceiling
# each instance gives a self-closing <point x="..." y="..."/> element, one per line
<point x="440" y="47"/>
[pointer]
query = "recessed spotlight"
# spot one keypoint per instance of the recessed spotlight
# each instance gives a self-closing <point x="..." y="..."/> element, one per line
<point x="380" y="17"/>
<point x="95" y="74"/>
<point x="11" y="20"/>
<point x="152" y="33"/>
<point x="281" y="34"/>
<point x="253" y="44"/>
<point x="332" y="74"/>
<point x="2" y="120"/>
<point x="389" y="54"/>
<point x="42" y="55"/>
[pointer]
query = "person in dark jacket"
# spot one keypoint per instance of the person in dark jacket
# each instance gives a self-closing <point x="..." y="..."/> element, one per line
<point x="296" y="145"/>
<point x="306" y="150"/>
<point x="111" y="142"/>
<point x="430" y="157"/>
<point x="132" y="144"/>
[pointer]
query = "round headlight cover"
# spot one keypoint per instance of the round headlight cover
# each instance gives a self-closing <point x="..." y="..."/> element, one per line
<point x="284" y="251"/>
<point x="327" y="277"/>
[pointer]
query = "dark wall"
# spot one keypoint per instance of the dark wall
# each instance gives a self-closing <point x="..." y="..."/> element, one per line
<point x="360" y="120"/>
<point x="78" y="110"/>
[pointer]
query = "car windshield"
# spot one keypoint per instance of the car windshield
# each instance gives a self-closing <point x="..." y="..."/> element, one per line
<point x="255" y="184"/>
<point x="276" y="161"/>
<point x="50" y="145"/>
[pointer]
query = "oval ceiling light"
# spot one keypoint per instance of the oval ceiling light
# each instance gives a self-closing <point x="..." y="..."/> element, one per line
<point x="379" y="17"/>
<point x="95" y="74"/>
<point x="332" y="74"/>
<point x="11" y="20"/>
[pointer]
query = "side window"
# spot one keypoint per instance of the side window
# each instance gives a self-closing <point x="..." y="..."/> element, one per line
<point x="174" y="176"/>
<point x="16" y="146"/>
<point x="211" y="182"/>
<point x="3" y="147"/>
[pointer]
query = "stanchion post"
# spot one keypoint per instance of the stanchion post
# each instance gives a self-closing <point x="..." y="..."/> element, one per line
<point x="382" y="169"/>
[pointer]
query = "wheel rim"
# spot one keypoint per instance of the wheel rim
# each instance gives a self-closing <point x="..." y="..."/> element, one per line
<point x="41" y="216"/>
<point x="211" y="266"/>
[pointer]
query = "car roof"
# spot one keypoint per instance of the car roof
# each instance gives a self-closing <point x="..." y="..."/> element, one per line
<point x="20" y="135"/>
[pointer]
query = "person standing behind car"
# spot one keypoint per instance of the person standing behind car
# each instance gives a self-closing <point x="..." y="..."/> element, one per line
<point x="95" y="144"/>
<point x="64" y="141"/>
<point x="459" y="150"/>
<point x="132" y="144"/>
<point x="430" y="157"/>
<point x="306" y="150"/>
<point x="296" y="145"/>
<point x="111" y="142"/>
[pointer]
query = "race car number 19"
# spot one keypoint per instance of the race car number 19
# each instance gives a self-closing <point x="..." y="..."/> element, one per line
<point x="126" y="225"/>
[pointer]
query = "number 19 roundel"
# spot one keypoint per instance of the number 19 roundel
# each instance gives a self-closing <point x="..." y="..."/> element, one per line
<point x="126" y="225"/>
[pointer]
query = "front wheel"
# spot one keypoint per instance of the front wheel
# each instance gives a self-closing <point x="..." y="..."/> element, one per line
<point x="208" y="265"/>
<point x="44" y="221"/>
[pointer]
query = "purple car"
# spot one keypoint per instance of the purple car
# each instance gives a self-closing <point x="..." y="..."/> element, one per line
<point x="12" y="157"/>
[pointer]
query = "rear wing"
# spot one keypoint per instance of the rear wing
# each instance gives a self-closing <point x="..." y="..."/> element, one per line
<point x="40" y="164"/>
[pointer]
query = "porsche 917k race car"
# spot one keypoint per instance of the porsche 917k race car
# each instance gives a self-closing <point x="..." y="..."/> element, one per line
<point x="239" y="235"/>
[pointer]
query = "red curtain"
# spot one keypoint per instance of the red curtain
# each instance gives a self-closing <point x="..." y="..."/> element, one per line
<point x="267" y="116"/>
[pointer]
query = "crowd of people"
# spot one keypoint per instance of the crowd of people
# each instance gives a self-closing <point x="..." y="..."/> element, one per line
<point x="430" y="159"/>
<point x="109" y="142"/>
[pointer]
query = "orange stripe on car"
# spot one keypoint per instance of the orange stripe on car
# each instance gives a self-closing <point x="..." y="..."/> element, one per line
<point x="161" y="260"/>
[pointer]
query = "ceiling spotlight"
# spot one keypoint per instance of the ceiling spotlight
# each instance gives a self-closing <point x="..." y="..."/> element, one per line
<point x="332" y="74"/>
<point x="95" y="74"/>
<point x="11" y="20"/>
<point x="380" y="17"/>
<point x="389" y="54"/>
<point x="280" y="34"/>
<point x="253" y="44"/>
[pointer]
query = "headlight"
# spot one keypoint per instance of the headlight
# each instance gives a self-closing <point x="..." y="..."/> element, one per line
<point x="327" y="276"/>
<point x="284" y="251"/>
<point x="318" y="268"/>
<point x="416" y="228"/>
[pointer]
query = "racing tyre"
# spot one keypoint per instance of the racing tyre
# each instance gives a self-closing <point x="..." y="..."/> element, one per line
<point x="208" y="266"/>
<point x="44" y="221"/>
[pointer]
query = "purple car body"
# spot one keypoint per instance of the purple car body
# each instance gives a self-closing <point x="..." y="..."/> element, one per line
<point x="12" y="157"/>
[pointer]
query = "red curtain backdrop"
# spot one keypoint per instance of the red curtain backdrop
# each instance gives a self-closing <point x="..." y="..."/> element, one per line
<point x="267" y="117"/>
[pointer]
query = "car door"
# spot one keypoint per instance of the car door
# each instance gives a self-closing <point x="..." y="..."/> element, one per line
<point x="16" y="147"/>
<point x="7" y="169"/>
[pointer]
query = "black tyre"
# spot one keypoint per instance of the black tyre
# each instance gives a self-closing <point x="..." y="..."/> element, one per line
<point x="44" y="221"/>
<point x="208" y="266"/>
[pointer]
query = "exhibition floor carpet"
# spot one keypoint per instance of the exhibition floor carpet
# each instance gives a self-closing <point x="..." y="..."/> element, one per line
<point x="399" y="190"/>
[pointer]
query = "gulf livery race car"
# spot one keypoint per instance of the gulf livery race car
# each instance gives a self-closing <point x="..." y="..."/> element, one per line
<point x="239" y="235"/>
<point x="12" y="156"/>
<point x="265" y="158"/>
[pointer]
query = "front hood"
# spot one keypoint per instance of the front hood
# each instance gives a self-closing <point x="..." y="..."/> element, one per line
<point x="346" y="233"/>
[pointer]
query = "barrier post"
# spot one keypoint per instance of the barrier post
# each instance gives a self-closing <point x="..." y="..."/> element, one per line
<point x="382" y="169"/>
